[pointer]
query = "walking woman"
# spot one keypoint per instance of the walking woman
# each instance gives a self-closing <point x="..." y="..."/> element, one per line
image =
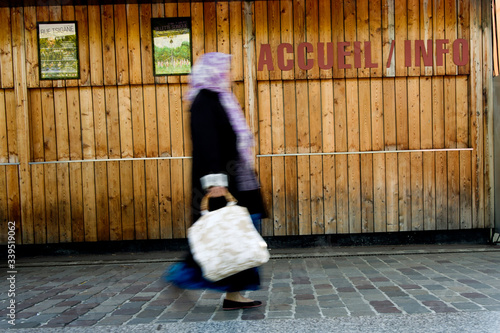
<point x="222" y="161"/>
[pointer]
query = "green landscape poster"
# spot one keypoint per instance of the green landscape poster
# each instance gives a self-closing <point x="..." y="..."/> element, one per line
<point x="172" y="45"/>
<point x="58" y="50"/>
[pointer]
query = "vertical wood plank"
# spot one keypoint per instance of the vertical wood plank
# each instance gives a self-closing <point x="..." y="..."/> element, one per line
<point x="363" y="34"/>
<point x="430" y="185"/>
<point x="39" y="220"/>
<point x="337" y="34"/>
<point x="102" y="201"/>
<point x="312" y="36"/>
<point x="462" y="112"/>
<point x="88" y="168"/>
<point x="31" y="42"/>
<point x="438" y="122"/>
<point x="101" y="152"/>
<point x="413" y="33"/>
<point x="95" y="45"/>
<point x="4" y="150"/>
<point x="391" y="160"/>
<point x="465" y="190"/>
<point x="151" y="131"/>
<point x="176" y="130"/>
<point x="299" y="33"/>
<point x="210" y="20"/>
<point x="488" y="108"/>
<point x="197" y="30"/>
<point x="146" y="43"/>
<point x="316" y="162"/>
<point x="121" y="44"/>
<point x="329" y="193"/>
<point x="278" y="147"/>
<point x="108" y="45"/>
<point x="426" y="29"/>
<point x="438" y="26"/>
<point x="303" y="166"/>
<point x="114" y="201"/>
<point x="36" y="126"/>
<point x="4" y="213"/>
<point x="261" y="35"/>
<point x="403" y="158"/>
<point x="350" y="37"/>
<point x="274" y="27"/>
<point x="428" y="158"/>
<point x="6" y="69"/>
<point x="366" y="172"/>
<point x="453" y="190"/>
<point x="290" y="118"/>
<point x="379" y="193"/>
<point x="222" y="17"/>
<point x="451" y="34"/>
<point x="375" y="17"/>
<point x="139" y="202"/>
<point x="441" y="191"/>
<point x="266" y="183"/>
<point x="325" y="33"/>
<point x="164" y="166"/>
<point x="50" y="170"/>
<point x="127" y="200"/>
<point x="75" y="169"/>
<point x="134" y="42"/>
<point x="388" y="36"/>
<point x="18" y="179"/>
<point x="341" y="185"/>
<point x="476" y="114"/>
<point x="464" y="29"/>
<point x="401" y="34"/>
<point x="236" y="39"/>
<point x="63" y="191"/>
<point x="81" y="16"/>
<point x="353" y="161"/>
<point x="416" y="178"/>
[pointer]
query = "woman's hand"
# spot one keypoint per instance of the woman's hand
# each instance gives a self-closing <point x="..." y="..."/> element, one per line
<point x="217" y="191"/>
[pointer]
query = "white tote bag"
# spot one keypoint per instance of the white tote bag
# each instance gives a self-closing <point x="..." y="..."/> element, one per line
<point x="224" y="242"/>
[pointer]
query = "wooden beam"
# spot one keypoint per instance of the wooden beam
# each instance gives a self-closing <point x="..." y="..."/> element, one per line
<point x="23" y="144"/>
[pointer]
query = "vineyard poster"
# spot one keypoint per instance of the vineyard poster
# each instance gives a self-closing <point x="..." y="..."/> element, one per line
<point x="172" y="45"/>
<point x="58" y="50"/>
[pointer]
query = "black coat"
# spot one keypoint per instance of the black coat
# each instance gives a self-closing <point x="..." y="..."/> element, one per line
<point x="215" y="152"/>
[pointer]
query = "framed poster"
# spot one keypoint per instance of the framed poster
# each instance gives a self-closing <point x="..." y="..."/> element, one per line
<point x="58" y="50"/>
<point x="171" y="45"/>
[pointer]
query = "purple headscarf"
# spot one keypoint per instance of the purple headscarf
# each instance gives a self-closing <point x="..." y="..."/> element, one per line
<point x="212" y="72"/>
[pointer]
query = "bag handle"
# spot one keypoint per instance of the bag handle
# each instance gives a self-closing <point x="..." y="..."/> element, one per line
<point x="231" y="200"/>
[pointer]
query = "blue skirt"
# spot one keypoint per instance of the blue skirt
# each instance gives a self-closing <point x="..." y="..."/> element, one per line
<point x="187" y="274"/>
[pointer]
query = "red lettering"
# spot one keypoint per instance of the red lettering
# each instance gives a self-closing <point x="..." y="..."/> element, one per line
<point x="460" y="45"/>
<point x="341" y="52"/>
<point x="368" y="56"/>
<point x="265" y="58"/>
<point x="440" y="51"/>
<point x="420" y="52"/>
<point x="407" y="53"/>
<point x="357" y="54"/>
<point x="329" y="55"/>
<point x="304" y="62"/>
<point x="281" y="57"/>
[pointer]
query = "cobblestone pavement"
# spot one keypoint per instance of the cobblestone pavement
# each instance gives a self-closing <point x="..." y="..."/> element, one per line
<point x="297" y="284"/>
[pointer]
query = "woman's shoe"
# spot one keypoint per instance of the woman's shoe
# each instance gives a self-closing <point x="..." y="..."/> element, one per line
<point x="233" y="305"/>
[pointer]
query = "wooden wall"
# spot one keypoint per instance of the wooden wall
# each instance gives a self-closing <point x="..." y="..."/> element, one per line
<point x="106" y="157"/>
